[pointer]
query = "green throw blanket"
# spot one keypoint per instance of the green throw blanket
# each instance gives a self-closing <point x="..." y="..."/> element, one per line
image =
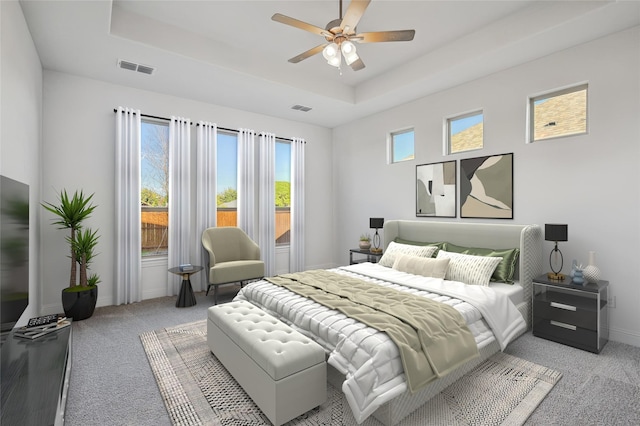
<point x="432" y="337"/>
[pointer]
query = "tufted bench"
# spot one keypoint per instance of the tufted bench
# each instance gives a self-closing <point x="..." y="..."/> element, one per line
<point x="284" y="372"/>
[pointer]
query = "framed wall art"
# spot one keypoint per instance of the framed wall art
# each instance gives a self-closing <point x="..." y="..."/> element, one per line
<point x="486" y="187"/>
<point x="436" y="189"/>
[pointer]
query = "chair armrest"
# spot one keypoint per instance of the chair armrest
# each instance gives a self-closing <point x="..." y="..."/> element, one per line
<point x="207" y="246"/>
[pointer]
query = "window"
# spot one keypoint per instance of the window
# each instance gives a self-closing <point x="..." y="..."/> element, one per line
<point x="154" y="194"/>
<point x="465" y="132"/>
<point x="283" y="192"/>
<point x="227" y="178"/>
<point x="402" y="146"/>
<point x="557" y="114"/>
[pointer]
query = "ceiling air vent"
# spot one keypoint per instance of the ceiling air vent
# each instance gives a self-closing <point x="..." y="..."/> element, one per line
<point x="132" y="66"/>
<point x="301" y="108"/>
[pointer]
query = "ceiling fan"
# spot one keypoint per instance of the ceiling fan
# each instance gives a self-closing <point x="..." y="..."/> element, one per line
<point x="340" y="35"/>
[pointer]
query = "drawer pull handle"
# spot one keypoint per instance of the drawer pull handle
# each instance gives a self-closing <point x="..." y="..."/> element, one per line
<point x="563" y="325"/>
<point x="563" y="306"/>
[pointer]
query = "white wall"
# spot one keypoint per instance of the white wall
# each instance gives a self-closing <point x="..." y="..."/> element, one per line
<point x="20" y="124"/>
<point x="78" y="147"/>
<point x="589" y="182"/>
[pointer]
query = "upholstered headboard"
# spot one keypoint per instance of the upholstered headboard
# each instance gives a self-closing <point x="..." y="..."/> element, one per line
<point x="528" y="238"/>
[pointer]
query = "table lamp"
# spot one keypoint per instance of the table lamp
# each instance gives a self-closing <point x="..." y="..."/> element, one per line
<point x="555" y="233"/>
<point x="376" y="223"/>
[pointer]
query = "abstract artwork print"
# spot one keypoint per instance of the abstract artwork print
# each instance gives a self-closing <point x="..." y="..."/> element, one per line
<point x="436" y="189"/>
<point x="486" y="187"/>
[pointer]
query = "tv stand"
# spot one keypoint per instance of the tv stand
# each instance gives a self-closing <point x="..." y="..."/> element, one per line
<point x="35" y="378"/>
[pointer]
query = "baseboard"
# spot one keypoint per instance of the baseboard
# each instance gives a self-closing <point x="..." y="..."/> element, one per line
<point x="627" y="337"/>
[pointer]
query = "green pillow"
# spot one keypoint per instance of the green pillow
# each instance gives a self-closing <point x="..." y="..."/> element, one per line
<point x="506" y="268"/>
<point x="421" y="243"/>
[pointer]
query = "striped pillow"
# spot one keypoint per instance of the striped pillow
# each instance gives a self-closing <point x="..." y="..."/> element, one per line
<point x="469" y="269"/>
<point x="394" y="249"/>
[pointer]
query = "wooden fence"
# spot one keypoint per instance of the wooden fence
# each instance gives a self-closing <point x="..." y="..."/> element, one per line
<point x="155" y="223"/>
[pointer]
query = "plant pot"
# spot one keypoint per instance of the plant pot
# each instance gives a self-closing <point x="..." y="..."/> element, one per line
<point x="365" y="245"/>
<point x="80" y="304"/>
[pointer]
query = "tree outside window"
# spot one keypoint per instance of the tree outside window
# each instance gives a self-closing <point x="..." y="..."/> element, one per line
<point x="154" y="193"/>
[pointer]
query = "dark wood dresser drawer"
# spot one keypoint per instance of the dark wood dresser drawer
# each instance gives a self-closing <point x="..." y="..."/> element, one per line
<point x="567" y="334"/>
<point x="568" y="313"/>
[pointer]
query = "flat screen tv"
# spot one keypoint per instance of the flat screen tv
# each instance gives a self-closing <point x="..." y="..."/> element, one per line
<point x="14" y="251"/>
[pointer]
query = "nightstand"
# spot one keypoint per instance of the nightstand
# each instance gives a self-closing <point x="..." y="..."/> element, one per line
<point x="370" y="257"/>
<point x="571" y="314"/>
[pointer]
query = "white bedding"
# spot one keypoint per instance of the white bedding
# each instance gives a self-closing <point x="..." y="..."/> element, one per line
<point x="368" y="358"/>
<point x="514" y="291"/>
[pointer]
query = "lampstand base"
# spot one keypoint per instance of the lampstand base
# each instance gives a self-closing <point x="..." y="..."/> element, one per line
<point x="375" y="250"/>
<point x="555" y="276"/>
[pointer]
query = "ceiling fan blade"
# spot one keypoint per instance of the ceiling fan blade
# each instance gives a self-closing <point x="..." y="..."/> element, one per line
<point x="357" y="65"/>
<point x="380" y="36"/>
<point x="353" y="14"/>
<point x="307" y="54"/>
<point x="278" y="17"/>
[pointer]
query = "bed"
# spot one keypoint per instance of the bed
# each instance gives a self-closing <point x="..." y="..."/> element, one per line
<point x="364" y="362"/>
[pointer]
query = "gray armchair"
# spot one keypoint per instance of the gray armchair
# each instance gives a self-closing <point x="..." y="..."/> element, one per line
<point x="233" y="257"/>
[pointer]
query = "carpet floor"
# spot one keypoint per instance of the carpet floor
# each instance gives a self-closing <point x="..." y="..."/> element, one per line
<point x="112" y="383"/>
<point x="197" y="389"/>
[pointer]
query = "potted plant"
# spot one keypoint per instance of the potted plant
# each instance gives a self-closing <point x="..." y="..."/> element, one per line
<point x="78" y="300"/>
<point x="365" y="242"/>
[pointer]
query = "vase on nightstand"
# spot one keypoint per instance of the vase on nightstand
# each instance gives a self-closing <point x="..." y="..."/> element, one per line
<point x="591" y="272"/>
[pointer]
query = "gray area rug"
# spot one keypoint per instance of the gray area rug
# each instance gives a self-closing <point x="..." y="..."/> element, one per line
<point x="198" y="390"/>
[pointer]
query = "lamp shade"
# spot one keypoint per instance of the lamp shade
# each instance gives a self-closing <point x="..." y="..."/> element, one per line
<point x="555" y="232"/>
<point x="330" y="51"/>
<point x="376" y="222"/>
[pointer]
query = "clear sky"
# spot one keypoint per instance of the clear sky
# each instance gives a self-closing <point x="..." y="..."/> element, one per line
<point x="403" y="145"/>
<point x="461" y="124"/>
<point x="227" y="159"/>
<point x="228" y="167"/>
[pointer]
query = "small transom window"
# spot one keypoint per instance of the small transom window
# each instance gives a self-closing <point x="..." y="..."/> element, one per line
<point x="465" y="132"/>
<point x="402" y="146"/>
<point x="559" y="113"/>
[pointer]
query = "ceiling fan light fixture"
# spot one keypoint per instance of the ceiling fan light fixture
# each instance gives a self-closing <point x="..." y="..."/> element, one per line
<point x="335" y="61"/>
<point x="331" y="51"/>
<point x="347" y="48"/>
<point x="351" y="58"/>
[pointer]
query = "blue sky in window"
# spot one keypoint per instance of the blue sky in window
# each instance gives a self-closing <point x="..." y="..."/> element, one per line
<point x="461" y="124"/>
<point x="283" y="161"/>
<point x="149" y="148"/>
<point x="227" y="162"/>
<point x="227" y="159"/>
<point x="228" y="167"/>
<point x="403" y="145"/>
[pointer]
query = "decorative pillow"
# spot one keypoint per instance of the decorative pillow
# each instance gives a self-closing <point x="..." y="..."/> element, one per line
<point x="425" y="266"/>
<point x="441" y="245"/>
<point x="469" y="269"/>
<point x="505" y="270"/>
<point x="394" y="249"/>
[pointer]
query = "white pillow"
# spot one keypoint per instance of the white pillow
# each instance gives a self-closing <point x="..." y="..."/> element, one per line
<point x="469" y="269"/>
<point x="427" y="267"/>
<point x="394" y="249"/>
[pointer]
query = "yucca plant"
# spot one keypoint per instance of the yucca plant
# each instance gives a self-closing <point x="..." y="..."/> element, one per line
<point x="71" y="212"/>
<point x="83" y="246"/>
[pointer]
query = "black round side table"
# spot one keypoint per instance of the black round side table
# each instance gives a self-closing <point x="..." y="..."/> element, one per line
<point x="186" y="297"/>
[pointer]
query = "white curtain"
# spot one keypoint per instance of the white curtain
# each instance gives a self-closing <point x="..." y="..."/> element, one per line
<point x="206" y="190"/>
<point x="296" y="248"/>
<point x="127" y="206"/>
<point x="267" y="202"/>
<point x="246" y="182"/>
<point x="179" y="198"/>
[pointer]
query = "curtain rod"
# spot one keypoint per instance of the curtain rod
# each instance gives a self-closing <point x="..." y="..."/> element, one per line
<point x="197" y="124"/>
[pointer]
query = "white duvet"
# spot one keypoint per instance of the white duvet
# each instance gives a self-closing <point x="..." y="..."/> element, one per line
<point x="368" y="358"/>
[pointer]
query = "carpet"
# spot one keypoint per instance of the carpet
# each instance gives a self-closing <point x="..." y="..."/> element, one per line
<point x="198" y="390"/>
